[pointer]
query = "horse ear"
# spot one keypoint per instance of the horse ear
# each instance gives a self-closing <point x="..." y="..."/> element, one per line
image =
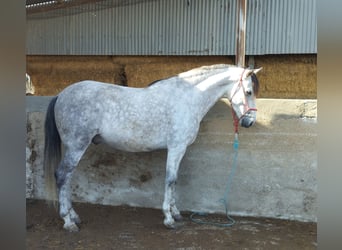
<point x="249" y="72"/>
<point x="255" y="71"/>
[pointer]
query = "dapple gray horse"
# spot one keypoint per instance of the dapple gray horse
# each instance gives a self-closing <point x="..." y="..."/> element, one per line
<point x="165" y="115"/>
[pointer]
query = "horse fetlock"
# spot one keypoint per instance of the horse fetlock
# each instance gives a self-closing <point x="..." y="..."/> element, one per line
<point x="74" y="216"/>
<point x="175" y="213"/>
<point x="68" y="214"/>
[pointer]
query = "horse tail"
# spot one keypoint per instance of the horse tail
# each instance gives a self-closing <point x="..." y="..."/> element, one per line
<point x="52" y="153"/>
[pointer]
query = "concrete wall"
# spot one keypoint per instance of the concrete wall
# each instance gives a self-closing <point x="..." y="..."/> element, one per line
<point x="276" y="174"/>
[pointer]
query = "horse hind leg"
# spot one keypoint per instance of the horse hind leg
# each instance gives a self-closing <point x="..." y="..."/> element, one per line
<point x="63" y="176"/>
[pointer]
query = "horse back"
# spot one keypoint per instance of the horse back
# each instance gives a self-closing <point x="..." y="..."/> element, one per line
<point x="131" y="119"/>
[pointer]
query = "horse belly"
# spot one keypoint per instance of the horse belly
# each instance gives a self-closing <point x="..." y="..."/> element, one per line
<point x="134" y="141"/>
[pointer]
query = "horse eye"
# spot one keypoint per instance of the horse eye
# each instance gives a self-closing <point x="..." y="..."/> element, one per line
<point x="249" y="92"/>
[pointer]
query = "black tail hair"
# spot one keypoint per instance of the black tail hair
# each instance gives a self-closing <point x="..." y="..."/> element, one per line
<point x="52" y="152"/>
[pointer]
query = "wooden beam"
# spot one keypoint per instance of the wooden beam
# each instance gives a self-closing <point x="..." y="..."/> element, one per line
<point x="241" y="12"/>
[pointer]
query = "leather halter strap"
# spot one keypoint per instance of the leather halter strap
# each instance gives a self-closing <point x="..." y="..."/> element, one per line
<point x="247" y="108"/>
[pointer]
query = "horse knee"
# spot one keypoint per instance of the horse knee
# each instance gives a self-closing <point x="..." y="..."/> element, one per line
<point x="171" y="182"/>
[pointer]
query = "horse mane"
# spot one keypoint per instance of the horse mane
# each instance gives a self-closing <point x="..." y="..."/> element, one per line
<point x="199" y="71"/>
<point x="203" y="70"/>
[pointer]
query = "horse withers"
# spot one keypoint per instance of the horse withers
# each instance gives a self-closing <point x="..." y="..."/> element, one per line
<point x="165" y="115"/>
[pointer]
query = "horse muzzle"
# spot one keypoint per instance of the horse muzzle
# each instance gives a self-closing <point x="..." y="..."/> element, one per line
<point x="247" y="121"/>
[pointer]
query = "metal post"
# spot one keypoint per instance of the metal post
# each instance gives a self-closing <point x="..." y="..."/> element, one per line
<point x="241" y="12"/>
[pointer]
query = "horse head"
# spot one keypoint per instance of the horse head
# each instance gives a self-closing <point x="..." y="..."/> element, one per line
<point x="243" y="96"/>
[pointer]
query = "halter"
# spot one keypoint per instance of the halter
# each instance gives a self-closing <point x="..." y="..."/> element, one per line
<point x="247" y="108"/>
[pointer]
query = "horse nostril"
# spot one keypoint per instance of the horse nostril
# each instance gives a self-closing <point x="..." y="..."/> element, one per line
<point x="247" y="122"/>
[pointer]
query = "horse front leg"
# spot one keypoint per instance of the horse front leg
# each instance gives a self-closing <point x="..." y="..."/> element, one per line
<point x="170" y="210"/>
<point x="174" y="210"/>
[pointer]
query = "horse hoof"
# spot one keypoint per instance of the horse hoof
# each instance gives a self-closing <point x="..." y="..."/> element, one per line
<point x="175" y="225"/>
<point x="72" y="228"/>
<point x="178" y="217"/>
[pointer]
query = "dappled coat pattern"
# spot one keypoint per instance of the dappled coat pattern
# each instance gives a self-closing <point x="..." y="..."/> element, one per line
<point x="165" y="115"/>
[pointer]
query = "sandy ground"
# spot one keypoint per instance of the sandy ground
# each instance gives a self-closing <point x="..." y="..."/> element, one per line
<point x="121" y="227"/>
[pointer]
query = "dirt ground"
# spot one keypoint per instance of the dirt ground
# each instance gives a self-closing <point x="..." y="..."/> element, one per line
<point x="122" y="227"/>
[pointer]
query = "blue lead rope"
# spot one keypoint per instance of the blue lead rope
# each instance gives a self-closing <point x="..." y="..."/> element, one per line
<point x="225" y="199"/>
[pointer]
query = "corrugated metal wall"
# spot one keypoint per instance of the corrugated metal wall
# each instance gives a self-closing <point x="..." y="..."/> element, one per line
<point x="177" y="27"/>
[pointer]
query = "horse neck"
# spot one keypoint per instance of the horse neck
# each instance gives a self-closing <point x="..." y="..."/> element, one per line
<point x="215" y="87"/>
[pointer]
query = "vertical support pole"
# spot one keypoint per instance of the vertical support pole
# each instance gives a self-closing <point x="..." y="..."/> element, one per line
<point x="241" y="12"/>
